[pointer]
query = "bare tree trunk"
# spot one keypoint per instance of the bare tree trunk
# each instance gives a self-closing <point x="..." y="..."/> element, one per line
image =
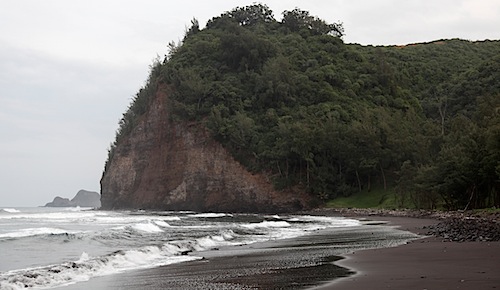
<point x="383" y="176"/>
<point x="473" y="190"/>
<point x="359" y="181"/>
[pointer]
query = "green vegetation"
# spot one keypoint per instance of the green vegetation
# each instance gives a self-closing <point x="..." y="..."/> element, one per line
<point x="376" y="198"/>
<point x="289" y="99"/>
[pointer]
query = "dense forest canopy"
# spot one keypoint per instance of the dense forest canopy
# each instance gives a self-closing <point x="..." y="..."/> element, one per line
<point x="291" y="100"/>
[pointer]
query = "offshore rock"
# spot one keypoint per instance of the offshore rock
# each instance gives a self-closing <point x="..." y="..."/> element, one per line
<point x="172" y="165"/>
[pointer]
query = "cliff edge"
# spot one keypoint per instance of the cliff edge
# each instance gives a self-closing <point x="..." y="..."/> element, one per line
<point x="175" y="165"/>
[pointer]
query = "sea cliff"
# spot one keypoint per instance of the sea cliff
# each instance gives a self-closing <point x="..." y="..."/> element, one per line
<point x="176" y="165"/>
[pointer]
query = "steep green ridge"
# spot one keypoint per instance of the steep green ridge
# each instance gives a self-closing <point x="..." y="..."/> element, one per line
<point x="289" y="98"/>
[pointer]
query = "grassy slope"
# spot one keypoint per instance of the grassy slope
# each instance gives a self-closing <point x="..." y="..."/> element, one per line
<point x="376" y="198"/>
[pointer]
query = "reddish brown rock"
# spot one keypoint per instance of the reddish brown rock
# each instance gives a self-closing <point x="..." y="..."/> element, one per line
<point x="173" y="165"/>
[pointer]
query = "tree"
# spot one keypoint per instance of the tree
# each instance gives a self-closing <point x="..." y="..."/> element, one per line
<point x="297" y="20"/>
<point x="245" y="16"/>
<point x="195" y="28"/>
<point x="252" y="14"/>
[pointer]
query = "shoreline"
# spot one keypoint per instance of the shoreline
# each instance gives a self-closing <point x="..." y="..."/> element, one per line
<point x="431" y="262"/>
<point x="296" y="263"/>
<point x="426" y="264"/>
<point x="308" y="262"/>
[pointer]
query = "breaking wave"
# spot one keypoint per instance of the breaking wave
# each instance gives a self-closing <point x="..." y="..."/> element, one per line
<point x="87" y="267"/>
<point x="30" y="232"/>
<point x="210" y="215"/>
<point x="114" y="242"/>
<point x="147" y="228"/>
<point x="10" y="210"/>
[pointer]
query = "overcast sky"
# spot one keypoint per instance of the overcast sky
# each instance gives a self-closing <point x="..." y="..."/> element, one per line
<point x="68" y="70"/>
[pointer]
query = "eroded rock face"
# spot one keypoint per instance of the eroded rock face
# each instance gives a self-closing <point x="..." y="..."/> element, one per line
<point x="177" y="166"/>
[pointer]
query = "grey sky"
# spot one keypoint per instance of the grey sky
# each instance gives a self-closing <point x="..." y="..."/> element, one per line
<point x="68" y="70"/>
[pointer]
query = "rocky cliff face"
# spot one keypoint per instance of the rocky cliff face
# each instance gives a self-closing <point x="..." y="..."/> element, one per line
<point x="171" y="165"/>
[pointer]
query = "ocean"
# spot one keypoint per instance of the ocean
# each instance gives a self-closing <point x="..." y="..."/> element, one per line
<point x="43" y="248"/>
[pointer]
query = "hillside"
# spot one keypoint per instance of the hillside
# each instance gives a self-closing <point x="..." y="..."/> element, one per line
<point x="295" y="105"/>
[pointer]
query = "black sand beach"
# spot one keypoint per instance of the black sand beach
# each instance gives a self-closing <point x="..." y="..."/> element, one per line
<point x="429" y="263"/>
<point x="316" y="262"/>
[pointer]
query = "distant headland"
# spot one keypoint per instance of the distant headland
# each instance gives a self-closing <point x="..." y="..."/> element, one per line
<point x="83" y="198"/>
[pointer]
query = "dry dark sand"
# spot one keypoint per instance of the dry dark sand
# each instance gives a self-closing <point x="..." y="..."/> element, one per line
<point x="306" y="262"/>
<point x="428" y="263"/>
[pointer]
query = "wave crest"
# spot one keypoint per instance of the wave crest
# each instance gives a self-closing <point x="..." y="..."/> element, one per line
<point x="87" y="267"/>
<point x="10" y="210"/>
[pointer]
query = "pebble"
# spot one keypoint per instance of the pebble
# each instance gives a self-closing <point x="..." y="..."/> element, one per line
<point x="467" y="230"/>
<point x="455" y="226"/>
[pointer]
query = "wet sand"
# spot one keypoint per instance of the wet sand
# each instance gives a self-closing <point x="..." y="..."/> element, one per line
<point x="428" y="263"/>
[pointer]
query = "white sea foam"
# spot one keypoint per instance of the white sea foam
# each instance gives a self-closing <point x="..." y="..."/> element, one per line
<point x="296" y="226"/>
<point x="120" y="220"/>
<point x="11" y="210"/>
<point x="267" y="224"/>
<point x="210" y="215"/>
<point x="87" y="267"/>
<point x="329" y="221"/>
<point x="267" y="231"/>
<point x="34" y="232"/>
<point x="78" y="208"/>
<point x="83" y="258"/>
<point x="214" y="241"/>
<point x="162" y="224"/>
<point x="223" y="238"/>
<point x="170" y="218"/>
<point x="68" y="216"/>
<point x="147" y="227"/>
